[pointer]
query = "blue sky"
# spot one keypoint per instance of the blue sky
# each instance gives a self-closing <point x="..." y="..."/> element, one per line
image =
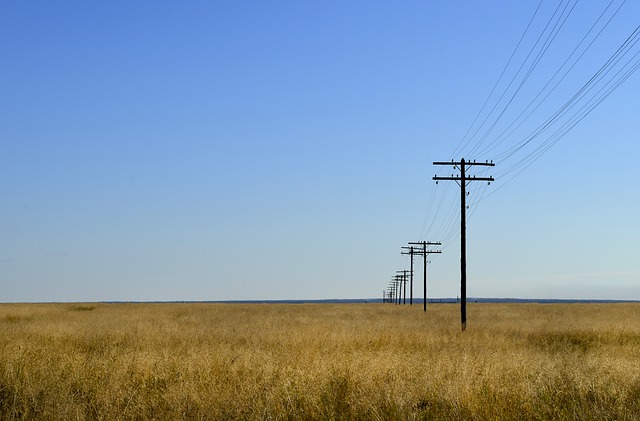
<point x="255" y="150"/>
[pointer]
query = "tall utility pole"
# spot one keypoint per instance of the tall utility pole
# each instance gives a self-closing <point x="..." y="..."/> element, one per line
<point x="462" y="181"/>
<point x="424" y="253"/>
<point x="410" y="252"/>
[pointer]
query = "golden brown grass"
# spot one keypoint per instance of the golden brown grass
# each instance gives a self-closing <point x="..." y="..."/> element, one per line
<point x="365" y="361"/>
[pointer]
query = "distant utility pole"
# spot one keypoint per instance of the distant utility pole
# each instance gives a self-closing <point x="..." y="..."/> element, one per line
<point x="424" y="251"/>
<point x="462" y="181"/>
<point x="392" y="292"/>
<point x="399" y="286"/>
<point x="393" y="298"/>
<point x="403" y="278"/>
<point x="397" y="283"/>
<point x="410" y="253"/>
<point x="399" y="279"/>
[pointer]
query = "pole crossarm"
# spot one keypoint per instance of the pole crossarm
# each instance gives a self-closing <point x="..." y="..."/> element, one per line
<point x="453" y="163"/>
<point x="454" y="178"/>
<point x="462" y="163"/>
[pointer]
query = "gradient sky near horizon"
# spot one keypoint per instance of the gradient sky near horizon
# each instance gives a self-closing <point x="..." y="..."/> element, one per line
<point x="283" y="150"/>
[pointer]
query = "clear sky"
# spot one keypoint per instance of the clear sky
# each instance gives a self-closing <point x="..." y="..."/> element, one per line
<point x="283" y="150"/>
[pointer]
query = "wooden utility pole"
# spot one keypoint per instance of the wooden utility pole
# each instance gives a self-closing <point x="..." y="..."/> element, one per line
<point x="399" y="283"/>
<point x="398" y="287"/>
<point x="410" y="253"/>
<point x="462" y="181"/>
<point x="424" y="251"/>
<point x="403" y="279"/>
<point x="393" y="291"/>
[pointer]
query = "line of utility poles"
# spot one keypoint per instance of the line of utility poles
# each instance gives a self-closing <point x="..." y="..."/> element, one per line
<point x="394" y="292"/>
<point x="414" y="249"/>
<point x="462" y="181"/>
<point x="395" y="289"/>
<point x="398" y="283"/>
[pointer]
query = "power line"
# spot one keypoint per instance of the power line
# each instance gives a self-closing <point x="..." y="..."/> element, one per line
<point x="495" y="85"/>
<point x="514" y="78"/>
<point x="503" y="135"/>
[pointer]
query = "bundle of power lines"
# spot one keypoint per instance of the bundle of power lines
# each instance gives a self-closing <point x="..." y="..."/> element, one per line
<point x="537" y="99"/>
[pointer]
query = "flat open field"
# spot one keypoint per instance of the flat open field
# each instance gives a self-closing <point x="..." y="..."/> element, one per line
<point x="319" y="361"/>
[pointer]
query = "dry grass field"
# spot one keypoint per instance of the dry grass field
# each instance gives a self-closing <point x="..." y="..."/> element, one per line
<point x="322" y="361"/>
